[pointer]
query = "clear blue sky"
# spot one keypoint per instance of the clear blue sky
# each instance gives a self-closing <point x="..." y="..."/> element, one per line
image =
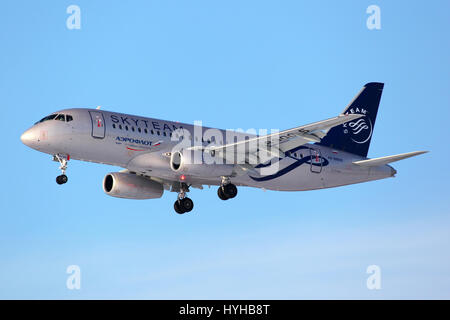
<point x="231" y="64"/>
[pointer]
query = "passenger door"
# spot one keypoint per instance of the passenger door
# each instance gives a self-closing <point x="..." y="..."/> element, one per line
<point x="98" y="124"/>
<point x="316" y="160"/>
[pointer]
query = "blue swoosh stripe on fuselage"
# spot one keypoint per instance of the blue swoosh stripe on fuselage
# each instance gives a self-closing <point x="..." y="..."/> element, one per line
<point x="289" y="168"/>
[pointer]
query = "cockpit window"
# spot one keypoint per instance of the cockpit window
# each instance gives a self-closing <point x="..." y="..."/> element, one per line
<point x="50" y="117"/>
<point x="60" y="117"/>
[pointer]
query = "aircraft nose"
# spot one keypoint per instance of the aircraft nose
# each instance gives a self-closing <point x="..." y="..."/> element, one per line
<point x="28" y="137"/>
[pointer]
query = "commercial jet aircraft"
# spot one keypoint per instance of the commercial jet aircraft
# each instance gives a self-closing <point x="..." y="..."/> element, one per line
<point x="158" y="155"/>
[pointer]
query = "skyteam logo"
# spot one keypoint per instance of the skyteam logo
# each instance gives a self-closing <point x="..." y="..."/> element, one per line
<point x="361" y="129"/>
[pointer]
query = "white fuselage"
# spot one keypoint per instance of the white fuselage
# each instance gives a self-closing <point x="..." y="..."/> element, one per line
<point x="142" y="145"/>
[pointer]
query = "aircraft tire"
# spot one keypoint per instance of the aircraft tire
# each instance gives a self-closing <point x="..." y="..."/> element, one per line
<point x="177" y="207"/>
<point x="230" y="191"/>
<point x="187" y="204"/>
<point x="61" y="179"/>
<point x="221" y="194"/>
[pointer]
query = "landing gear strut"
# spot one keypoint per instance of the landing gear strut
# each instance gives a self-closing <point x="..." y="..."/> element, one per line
<point x="227" y="190"/>
<point x="183" y="203"/>
<point x="61" y="179"/>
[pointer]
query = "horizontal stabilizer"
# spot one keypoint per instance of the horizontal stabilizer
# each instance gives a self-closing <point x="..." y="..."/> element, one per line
<point x="385" y="160"/>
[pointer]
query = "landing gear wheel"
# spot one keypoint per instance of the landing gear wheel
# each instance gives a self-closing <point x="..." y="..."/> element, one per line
<point x="61" y="179"/>
<point x="177" y="207"/>
<point x="221" y="195"/>
<point x="187" y="204"/>
<point x="62" y="159"/>
<point x="183" y="205"/>
<point x="230" y="190"/>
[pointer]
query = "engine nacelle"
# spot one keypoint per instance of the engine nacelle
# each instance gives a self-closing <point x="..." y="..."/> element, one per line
<point x="183" y="162"/>
<point x="131" y="186"/>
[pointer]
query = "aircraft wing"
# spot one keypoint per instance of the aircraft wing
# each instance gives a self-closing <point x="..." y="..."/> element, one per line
<point x="261" y="149"/>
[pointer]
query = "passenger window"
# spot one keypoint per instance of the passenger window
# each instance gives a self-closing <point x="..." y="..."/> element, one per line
<point x="120" y="126"/>
<point x="114" y="125"/>
<point x="157" y="132"/>
<point x="132" y="129"/>
<point x="152" y="132"/>
<point x="69" y="118"/>
<point x="146" y="131"/>
<point x="126" y="128"/>
<point x="139" y="129"/>
<point x="164" y="133"/>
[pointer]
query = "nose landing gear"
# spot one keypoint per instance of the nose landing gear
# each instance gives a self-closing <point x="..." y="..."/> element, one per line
<point x="62" y="179"/>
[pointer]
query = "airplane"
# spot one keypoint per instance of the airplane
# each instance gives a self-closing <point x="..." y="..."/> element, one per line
<point x="157" y="155"/>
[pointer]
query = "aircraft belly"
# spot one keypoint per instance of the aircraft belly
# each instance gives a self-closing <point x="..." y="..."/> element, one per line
<point x="300" y="177"/>
<point x="304" y="178"/>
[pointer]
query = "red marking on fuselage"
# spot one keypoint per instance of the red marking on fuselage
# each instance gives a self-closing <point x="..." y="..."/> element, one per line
<point x="135" y="149"/>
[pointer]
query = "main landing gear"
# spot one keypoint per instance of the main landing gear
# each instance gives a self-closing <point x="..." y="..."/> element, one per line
<point x="61" y="179"/>
<point x="227" y="190"/>
<point x="183" y="203"/>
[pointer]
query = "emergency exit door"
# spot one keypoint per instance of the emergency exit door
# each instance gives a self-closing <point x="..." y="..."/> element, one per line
<point x="98" y="124"/>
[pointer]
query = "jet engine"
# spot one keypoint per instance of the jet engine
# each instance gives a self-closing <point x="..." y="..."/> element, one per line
<point x="131" y="186"/>
<point x="183" y="162"/>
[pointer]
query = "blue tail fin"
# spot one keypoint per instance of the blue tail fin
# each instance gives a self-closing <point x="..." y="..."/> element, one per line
<point x="354" y="136"/>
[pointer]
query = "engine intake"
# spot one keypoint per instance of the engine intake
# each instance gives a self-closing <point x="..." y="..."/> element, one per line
<point x="183" y="162"/>
<point x="131" y="186"/>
